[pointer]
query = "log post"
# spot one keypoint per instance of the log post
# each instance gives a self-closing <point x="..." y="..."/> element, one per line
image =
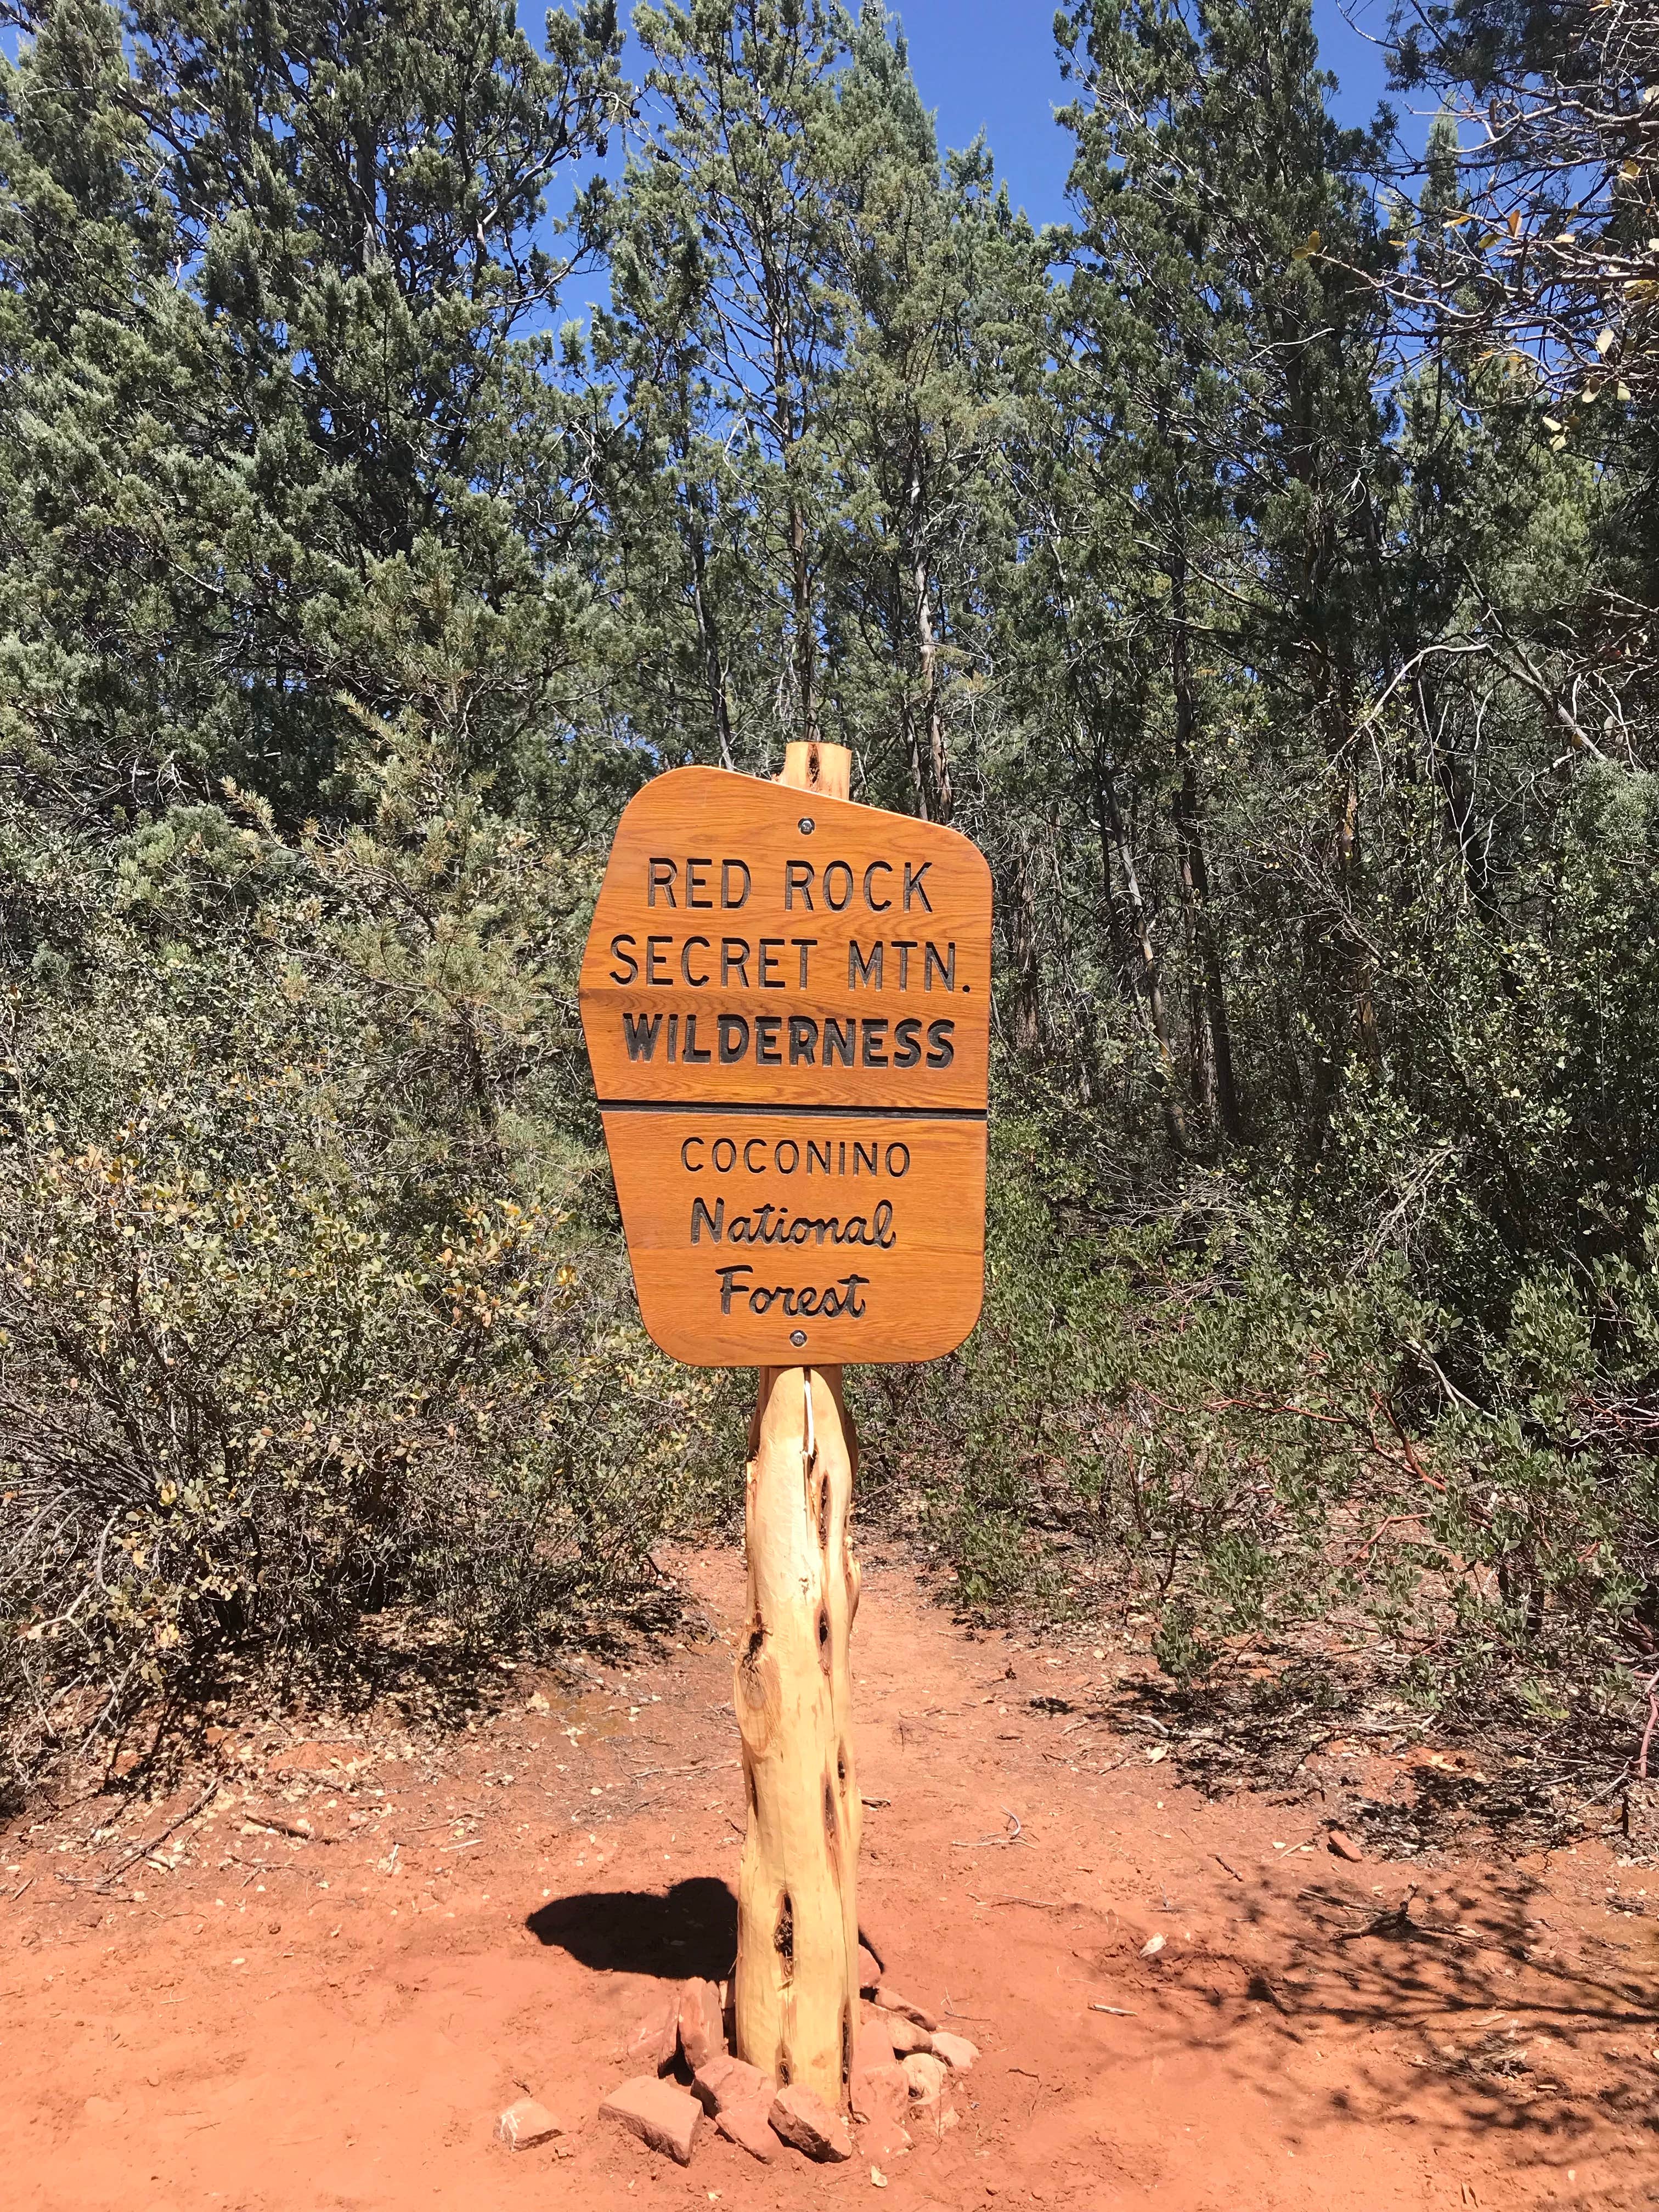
<point x="798" y="1932"/>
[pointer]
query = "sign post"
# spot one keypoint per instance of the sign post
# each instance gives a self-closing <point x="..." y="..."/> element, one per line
<point x="787" y="1001"/>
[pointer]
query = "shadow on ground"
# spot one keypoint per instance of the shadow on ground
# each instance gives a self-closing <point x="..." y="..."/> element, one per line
<point x="1512" y="2016"/>
<point x="690" y="1932"/>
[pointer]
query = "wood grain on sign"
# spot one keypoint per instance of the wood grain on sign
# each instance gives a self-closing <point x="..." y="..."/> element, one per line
<point x="786" y="1004"/>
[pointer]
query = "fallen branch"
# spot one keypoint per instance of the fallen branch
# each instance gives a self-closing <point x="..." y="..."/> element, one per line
<point x="1650" y="1686"/>
<point x="987" y="1843"/>
<point x="300" y="1829"/>
<point x="697" y="1767"/>
<point x="143" y="1849"/>
<point x="1037" y="1904"/>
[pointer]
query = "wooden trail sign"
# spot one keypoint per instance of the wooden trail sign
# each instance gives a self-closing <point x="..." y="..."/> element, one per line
<point x="786" y="1002"/>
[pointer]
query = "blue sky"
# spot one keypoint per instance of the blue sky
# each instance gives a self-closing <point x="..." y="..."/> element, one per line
<point x="990" y="64"/>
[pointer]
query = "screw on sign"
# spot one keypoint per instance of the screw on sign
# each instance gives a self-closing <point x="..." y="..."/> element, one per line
<point x="787" y="1001"/>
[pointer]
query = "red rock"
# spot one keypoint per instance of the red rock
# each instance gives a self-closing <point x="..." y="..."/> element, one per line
<point x="800" y="2116"/>
<point x="749" y="2128"/>
<point x="891" y="2001"/>
<point x="722" y="2081"/>
<point x="926" y="2075"/>
<point x="526" y="2123"/>
<point x="655" y="2040"/>
<point x="955" y="2051"/>
<point x="880" y="2093"/>
<point x="659" y="2112"/>
<point x="904" y="2034"/>
<point x="1342" y="1844"/>
<point x="884" y="2139"/>
<point x="873" y="2043"/>
<point x="702" y="2029"/>
<point x="869" y="1971"/>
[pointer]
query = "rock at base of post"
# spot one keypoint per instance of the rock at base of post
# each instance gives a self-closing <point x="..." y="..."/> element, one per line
<point x="656" y="2039"/>
<point x="881" y="2095"/>
<point x="955" y="2051"/>
<point x="889" y="2001"/>
<point x="802" y="2118"/>
<point x="926" y="2075"/>
<point x="905" y="2035"/>
<point x="701" y="2024"/>
<point x="721" y="2082"/>
<point x="661" y="2114"/>
<point x="749" y="2127"/>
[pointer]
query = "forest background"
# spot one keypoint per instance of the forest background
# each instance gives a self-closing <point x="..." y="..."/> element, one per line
<point x="1262" y="566"/>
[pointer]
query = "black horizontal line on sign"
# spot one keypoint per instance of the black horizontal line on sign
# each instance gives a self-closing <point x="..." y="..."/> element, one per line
<point x="820" y="1113"/>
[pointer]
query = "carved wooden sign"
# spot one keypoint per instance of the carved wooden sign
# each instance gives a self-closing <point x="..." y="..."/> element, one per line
<point x="786" y="1001"/>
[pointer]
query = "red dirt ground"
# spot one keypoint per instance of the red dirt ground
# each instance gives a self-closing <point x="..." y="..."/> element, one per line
<point x="251" y="2021"/>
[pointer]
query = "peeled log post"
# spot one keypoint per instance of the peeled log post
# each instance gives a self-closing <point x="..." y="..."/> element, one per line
<point x="798" y="1932"/>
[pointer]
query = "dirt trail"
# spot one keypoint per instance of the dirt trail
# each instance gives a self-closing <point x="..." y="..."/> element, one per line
<point x="279" y="2021"/>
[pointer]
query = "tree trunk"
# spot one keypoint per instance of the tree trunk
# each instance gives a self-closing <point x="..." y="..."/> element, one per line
<point x="714" y="660"/>
<point x="927" y="647"/>
<point x="798" y="1931"/>
<point x="909" y="706"/>
<point x="1115" y="844"/>
<point x="1216" y="1069"/>
<point x="921" y="603"/>
<point x="800" y="588"/>
<point x="913" y="758"/>
<point x="1028" y="974"/>
<point x="788" y="432"/>
<point x="1341" y="959"/>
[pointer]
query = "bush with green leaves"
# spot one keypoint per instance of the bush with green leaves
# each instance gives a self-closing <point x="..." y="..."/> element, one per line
<point x="307" y="1308"/>
<point x="1172" y="1423"/>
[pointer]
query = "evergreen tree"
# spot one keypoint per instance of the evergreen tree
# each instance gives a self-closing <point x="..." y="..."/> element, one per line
<point x="1223" y="345"/>
<point x="944" y="303"/>
<point x="745" y="89"/>
<point x="273" y="285"/>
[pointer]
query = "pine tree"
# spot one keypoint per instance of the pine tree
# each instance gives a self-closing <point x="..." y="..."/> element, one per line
<point x="329" y="460"/>
<point x="744" y="89"/>
<point x="1222" y="350"/>
<point x="945" y="306"/>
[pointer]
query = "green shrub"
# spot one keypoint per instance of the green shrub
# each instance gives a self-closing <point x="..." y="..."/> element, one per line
<point x="291" y="1331"/>
<point x="1170" y="1422"/>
